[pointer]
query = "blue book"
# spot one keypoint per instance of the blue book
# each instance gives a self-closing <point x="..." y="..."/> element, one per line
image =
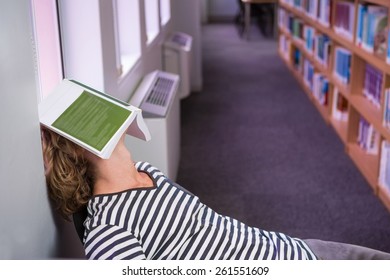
<point x="386" y="109"/>
<point x="376" y="22"/>
<point x="371" y="31"/>
<point x="339" y="59"/>
<point x="359" y="29"/>
<point x="343" y="63"/>
<point x="364" y="28"/>
<point x="388" y="48"/>
<point x="348" y="70"/>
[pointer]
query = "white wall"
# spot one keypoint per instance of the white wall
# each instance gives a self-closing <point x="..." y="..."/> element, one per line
<point x="27" y="226"/>
<point x="187" y="18"/>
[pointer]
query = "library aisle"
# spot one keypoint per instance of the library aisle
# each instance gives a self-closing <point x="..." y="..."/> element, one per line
<point x="255" y="148"/>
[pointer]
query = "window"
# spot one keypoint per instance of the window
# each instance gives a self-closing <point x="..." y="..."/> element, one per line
<point x="165" y="11"/>
<point x="127" y="34"/>
<point x="47" y="45"/>
<point x="152" y="19"/>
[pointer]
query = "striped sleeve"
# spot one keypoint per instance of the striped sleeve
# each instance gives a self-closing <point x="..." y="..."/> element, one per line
<point x="111" y="242"/>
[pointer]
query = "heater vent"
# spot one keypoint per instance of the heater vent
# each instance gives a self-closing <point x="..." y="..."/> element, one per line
<point x="160" y="92"/>
<point x="156" y="93"/>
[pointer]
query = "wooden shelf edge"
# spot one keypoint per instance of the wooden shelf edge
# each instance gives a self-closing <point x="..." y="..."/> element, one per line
<point x="370" y="113"/>
<point x="340" y="127"/>
<point x="384" y="196"/>
<point x="366" y="163"/>
<point x="321" y="109"/>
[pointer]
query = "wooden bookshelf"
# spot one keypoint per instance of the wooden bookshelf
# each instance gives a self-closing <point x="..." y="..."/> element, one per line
<point x="359" y="106"/>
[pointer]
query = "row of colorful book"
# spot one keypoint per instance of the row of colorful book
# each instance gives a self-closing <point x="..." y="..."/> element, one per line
<point x="320" y="45"/>
<point x="339" y="106"/>
<point x="372" y="25"/>
<point x="291" y="24"/>
<point x="308" y="73"/>
<point x="284" y="47"/>
<point x="342" y="64"/>
<point x="316" y="43"/>
<point x="320" y="89"/>
<point x="372" y="29"/>
<point x="386" y="109"/>
<point x="344" y="19"/>
<point x="384" y="167"/>
<point x="319" y="10"/>
<point x="316" y="82"/>
<point x="368" y="137"/>
<point x="372" y="88"/>
<point x="322" y="49"/>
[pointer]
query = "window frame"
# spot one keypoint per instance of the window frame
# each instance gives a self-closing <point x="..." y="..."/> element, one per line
<point x="47" y="45"/>
<point x="152" y="20"/>
<point x="128" y="49"/>
<point x="165" y="12"/>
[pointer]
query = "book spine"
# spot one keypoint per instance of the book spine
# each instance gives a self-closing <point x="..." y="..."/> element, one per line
<point x="373" y="85"/>
<point x="365" y="30"/>
<point x="368" y="137"/>
<point x="388" y="47"/>
<point x="359" y="26"/>
<point x="372" y="19"/>
<point x="386" y="110"/>
<point x="384" y="166"/>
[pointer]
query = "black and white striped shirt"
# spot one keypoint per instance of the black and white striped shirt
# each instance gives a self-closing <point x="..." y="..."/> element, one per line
<point x="167" y="222"/>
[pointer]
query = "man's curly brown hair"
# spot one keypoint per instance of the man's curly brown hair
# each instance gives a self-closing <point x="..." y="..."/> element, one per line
<point x="69" y="175"/>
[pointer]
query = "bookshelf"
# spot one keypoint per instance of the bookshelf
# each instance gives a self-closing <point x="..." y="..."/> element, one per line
<point x="339" y="52"/>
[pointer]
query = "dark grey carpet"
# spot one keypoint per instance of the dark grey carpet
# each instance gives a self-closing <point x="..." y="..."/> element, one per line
<point x="255" y="148"/>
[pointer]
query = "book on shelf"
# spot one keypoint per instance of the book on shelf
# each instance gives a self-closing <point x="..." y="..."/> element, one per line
<point x="322" y="45"/>
<point x="311" y="8"/>
<point x="386" y="109"/>
<point x="362" y="9"/>
<point x="284" y="47"/>
<point x="298" y="4"/>
<point x="285" y="20"/>
<point x="372" y="88"/>
<point x="94" y="120"/>
<point x="282" y="19"/>
<point x="324" y="12"/>
<point x="309" y="33"/>
<point x="298" y="30"/>
<point x="342" y="64"/>
<point x="372" y="29"/>
<point x="308" y="73"/>
<point x="388" y="47"/>
<point x="339" y="106"/>
<point x="320" y="88"/>
<point x="384" y="165"/>
<point x="344" y="19"/>
<point x="368" y="137"/>
<point x="287" y="2"/>
<point x="297" y="60"/>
